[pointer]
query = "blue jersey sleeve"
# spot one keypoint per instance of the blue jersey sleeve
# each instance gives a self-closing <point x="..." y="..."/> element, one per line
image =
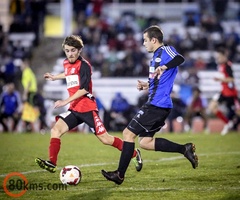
<point x="168" y="54"/>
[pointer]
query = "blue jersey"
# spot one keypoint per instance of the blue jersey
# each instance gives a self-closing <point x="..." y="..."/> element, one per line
<point x="9" y="103"/>
<point x="160" y="89"/>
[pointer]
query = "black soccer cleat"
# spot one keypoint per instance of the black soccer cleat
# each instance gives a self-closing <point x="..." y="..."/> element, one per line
<point x="191" y="155"/>
<point x="113" y="176"/>
<point x="138" y="162"/>
<point x="44" y="164"/>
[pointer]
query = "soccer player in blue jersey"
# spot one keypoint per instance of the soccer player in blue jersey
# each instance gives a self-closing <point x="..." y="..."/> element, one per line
<point x="152" y="115"/>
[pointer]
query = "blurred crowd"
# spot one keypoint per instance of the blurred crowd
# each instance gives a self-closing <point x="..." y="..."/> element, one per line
<point x="26" y="17"/>
<point x="21" y="100"/>
<point x="114" y="45"/>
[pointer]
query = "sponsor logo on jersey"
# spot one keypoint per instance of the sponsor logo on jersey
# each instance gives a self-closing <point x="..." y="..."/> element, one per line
<point x="72" y="81"/>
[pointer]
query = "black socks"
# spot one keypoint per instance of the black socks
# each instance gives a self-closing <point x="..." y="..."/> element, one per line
<point x="164" y="145"/>
<point x="126" y="156"/>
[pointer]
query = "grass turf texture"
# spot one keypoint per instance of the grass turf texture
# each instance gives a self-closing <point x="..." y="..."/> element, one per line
<point x="164" y="175"/>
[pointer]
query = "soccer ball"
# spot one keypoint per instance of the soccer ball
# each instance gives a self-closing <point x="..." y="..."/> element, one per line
<point x="70" y="175"/>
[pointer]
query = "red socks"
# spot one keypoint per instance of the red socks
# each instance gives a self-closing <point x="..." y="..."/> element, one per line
<point x="54" y="148"/>
<point x="118" y="143"/>
<point x="55" y="144"/>
<point x="221" y="116"/>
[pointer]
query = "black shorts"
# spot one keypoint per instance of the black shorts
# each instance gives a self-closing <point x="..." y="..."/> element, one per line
<point x="149" y="120"/>
<point x="229" y="101"/>
<point x="92" y="119"/>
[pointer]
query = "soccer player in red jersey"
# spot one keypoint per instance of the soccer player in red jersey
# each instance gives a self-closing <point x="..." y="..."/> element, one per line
<point x="83" y="107"/>
<point x="228" y="94"/>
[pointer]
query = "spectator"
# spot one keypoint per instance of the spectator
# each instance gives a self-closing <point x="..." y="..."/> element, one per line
<point x="189" y="62"/>
<point x="128" y="66"/>
<point x="220" y="7"/>
<point x="129" y="42"/>
<point x="232" y="40"/>
<point x="177" y="111"/>
<point x="119" y="112"/>
<point x="199" y="64"/>
<point x="211" y="64"/>
<point x="8" y="70"/>
<point x="10" y="105"/>
<point x="201" y="41"/>
<point x="175" y="38"/>
<point x="28" y="25"/>
<point x="196" y="106"/>
<point x="187" y="43"/>
<point x="18" y="50"/>
<point x="38" y="12"/>
<point x="29" y="81"/>
<point x="16" y="26"/>
<point x="191" y="80"/>
<point x="29" y="84"/>
<point x="97" y="7"/>
<point x="16" y="7"/>
<point x="190" y="19"/>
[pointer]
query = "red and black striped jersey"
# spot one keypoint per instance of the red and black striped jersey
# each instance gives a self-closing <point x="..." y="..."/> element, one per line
<point x="78" y="76"/>
<point x="228" y="89"/>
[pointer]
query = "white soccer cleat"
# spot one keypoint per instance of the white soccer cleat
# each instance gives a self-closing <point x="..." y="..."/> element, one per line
<point x="226" y="128"/>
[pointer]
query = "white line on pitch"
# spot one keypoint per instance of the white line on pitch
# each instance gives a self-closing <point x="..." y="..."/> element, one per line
<point x="145" y="161"/>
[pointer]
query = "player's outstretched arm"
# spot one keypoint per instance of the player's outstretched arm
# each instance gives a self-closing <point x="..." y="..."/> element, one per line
<point x="76" y="95"/>
<point x="50" y="77"/>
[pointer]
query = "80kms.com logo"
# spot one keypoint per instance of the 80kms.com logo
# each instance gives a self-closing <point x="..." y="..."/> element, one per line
<point x="16" y="184"/>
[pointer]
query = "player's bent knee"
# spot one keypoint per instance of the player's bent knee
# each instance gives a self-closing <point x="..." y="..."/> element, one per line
<point x="55" y="133"/>
<point x="128" y="135"/>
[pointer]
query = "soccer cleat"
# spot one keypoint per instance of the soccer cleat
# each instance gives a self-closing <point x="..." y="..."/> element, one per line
<point x="191" y="155"/>
<point x="226" y="128"/>
<point x="138" y="162"/>
<point x="113" y="176"/>
<point x="48" y="165"/>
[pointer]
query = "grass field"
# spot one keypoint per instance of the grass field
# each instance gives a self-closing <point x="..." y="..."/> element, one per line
<point x="165" y="176"/>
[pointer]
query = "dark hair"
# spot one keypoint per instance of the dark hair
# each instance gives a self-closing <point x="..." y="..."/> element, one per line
<point x="74" y="41"/>
<point x="221" y="50"/>
<point x="196" y="89"/>
<point x="154" y="32"/>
